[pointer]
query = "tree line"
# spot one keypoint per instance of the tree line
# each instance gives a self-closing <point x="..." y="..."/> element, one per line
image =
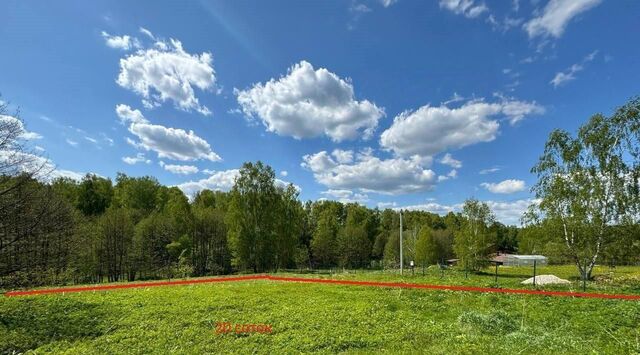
<point x="95" y="230"/>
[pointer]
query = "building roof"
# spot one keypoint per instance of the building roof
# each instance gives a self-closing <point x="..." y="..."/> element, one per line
<point x="528" y="257"/>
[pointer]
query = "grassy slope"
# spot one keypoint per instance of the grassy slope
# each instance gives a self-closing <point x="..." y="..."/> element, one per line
<point x="328" y="318"/>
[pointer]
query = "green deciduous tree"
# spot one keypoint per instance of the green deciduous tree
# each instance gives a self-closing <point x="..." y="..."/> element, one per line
<point x="209" y="250"/>
<point x="589" y="182"/>
<point x="324" y="242"/>
<point x="251" y="218"/>
<point x="117" y="230"/>
<point x="94" y="195"/>
<point x="473" y="243"/>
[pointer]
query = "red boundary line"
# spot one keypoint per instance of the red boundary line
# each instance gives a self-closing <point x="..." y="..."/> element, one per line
<point x="325" y="281"/>
<point x="131" y="285"/>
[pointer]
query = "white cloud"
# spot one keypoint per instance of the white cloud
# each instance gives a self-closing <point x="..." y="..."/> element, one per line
<point x="62" y="173"/>
<point x="170" y="143"/>
<point x="343" y="156"/>
<point x="510" y="212"/>
<point x="385" y="205"/>
<point x="92" y="140"/>
<point x="173" y="143"/>
<point x="505" y="187"/>
<point x="179" y="169"/>
<point x="139" y="158"/>
<point x="284" y="173"/>
<point x="489" y="170"/>
<point x="147" y="33"/>
<point x="448" y="159"/>
<point x="507" y="212"/>
<point x="346" y="196"/>
<point x="120" y="42"/>
<point x="371" y="174"/>
<point x="362" y="8"/>
<point x="387" y="3"/>
<point x="432" y="207"/>
<point x="516" y="110"/>
<point x="44" y="169"/>
<point x="129" y="115"/>
<point x="556" y="16"/>
<point x="468" y="8"/>
<point x="71" y="142"/>
<point x="26" y="135"/>
<point x="30" y="135"/>
<point x="309" y="103"/>
<point x="431" y="130"/>
<point x="570" y="74"/>
<point x="218" y="181"/>
<point x="168" y="72"/>
<point x="451" y="175"/>
<point x="107" y="139"/>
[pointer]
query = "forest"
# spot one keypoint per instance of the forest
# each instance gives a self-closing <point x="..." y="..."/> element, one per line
<point x="63" y="231"/>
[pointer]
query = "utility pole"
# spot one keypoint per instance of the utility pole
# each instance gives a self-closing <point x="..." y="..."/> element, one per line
<point x="401" y="242"/>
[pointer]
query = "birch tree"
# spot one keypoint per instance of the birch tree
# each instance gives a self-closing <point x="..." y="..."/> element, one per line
<point x="589" y="183"/>
<point x="474" y="242"/>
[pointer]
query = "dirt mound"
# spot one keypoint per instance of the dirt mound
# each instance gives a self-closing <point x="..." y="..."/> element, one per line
<point x="546" y="280"/>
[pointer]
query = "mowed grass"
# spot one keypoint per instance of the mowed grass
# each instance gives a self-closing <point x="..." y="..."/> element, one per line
<point x="325" y="318"/>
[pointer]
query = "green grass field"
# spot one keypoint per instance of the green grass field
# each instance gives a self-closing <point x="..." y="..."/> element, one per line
<point x="330" y="318"/>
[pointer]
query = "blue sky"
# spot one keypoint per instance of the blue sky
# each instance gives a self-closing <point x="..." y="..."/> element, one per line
<point x="389" y="103"/>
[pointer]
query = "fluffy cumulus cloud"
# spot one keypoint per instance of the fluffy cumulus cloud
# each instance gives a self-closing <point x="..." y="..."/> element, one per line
<point x="505" y="187"/>
<point x="309" y="103"/>
<point x="169" y="143"/>
<point x="371" y="174"/>
<point x="451" y="175"/>
<point x="345" y="196"/>
<point x="167" y="72"/>
<point x="430" y="130"/>
<point x="138" y="158"/>
<point x="120" y="42"/>
<point x="179" y="169"/>
<point x="468" y="8"/>
<point x="555" y="17"/>
<point x="449" y="160"/>
<point x="218" y="181"/>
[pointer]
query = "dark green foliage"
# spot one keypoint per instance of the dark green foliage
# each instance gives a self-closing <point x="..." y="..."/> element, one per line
<point x="252" y="218"/>
<point x="324" y="242"/>
<point x="209" y="250"/>
<point x="94" y="195"/>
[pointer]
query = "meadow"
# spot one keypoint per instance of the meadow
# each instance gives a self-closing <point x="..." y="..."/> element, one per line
<point x="332" y="318"/>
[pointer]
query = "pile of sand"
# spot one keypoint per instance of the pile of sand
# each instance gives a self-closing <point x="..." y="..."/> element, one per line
<point x="546" y="280"/>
